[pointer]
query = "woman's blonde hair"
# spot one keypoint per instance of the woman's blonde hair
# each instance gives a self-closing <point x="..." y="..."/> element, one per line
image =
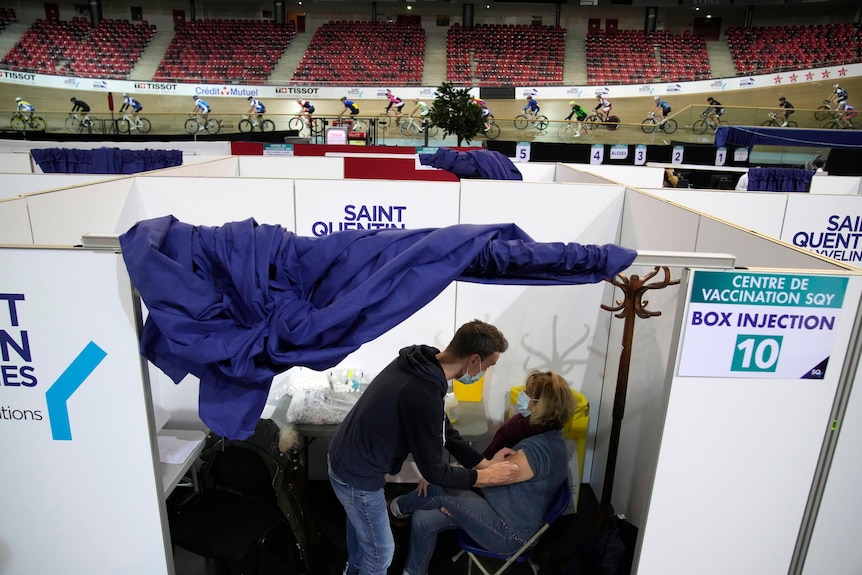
<point x="555" y="404"/>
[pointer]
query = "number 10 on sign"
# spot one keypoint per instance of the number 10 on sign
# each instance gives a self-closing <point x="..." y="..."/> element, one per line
<point x="756" y="353"/>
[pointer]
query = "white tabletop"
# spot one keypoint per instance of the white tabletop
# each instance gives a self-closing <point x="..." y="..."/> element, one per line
<point x="172" y="473"/>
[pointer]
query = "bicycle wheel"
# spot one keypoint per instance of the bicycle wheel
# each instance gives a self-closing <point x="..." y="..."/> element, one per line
<point x="294" y="124"/>
<point x="566" y="131"/>
<point x="542" y="123"/>
<point x="613" y="123"/>
<point x="669" y="126"/>
<point x="383" y="121"/>
<point x="123" y="126"/>
<point x="493" y="132"/>
<point x="144" y="125"/>
<point x="17" y="123"/>
<point x="833" y="125"/>
<point x="73" y="124"/>
<point x="38" y="124"/>
<point x="433" y="130"/>
<point x="521" y="121"/>
<point x="191" y="126"/>
<point x="648" y="125"/>
<point x="822" y="113"/>
<point x="316" y="126"/>
<point x="269" y="126"/>
<point x="770" y="123"/>
<point x="213" y="126"/>
<point x="792" y="124"/>
<point x="700" y="126"/>
<point x="245" y="125"/>
<point x="407" y="129"/>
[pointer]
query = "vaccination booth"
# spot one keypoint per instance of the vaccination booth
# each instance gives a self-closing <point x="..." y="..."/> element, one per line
<point x="740" y="408"/>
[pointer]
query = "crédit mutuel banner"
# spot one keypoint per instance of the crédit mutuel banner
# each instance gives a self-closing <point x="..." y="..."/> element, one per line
<point x="760" y="325"/>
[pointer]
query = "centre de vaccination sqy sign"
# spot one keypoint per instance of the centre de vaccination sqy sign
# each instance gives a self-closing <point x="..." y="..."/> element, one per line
<point x="764" y="325"/>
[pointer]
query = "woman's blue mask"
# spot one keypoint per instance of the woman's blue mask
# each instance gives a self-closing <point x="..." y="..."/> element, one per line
<point x="469" y="379"/>
<point x="523" y="402"/>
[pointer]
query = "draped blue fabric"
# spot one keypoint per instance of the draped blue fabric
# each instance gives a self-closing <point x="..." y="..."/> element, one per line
<point x="779" y="179"/>
<point x="104" y="160"/>
<point x="237" y="304"/>
<point x="485" y="164"/>
<point x="750" y="136"/>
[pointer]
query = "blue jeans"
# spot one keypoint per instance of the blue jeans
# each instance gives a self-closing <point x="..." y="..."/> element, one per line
<point x="469" y="510"/>
<point x="370" y="545"/>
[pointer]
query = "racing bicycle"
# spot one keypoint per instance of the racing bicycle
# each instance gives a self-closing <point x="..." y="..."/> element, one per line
<point x="298" y="123"/>
<point x="612" y="123"/>
<point x="569" y="128"/>
<point x="704" y="124"/>
<point x="126" y="124"/>
<point x="248" y="124"/>
<point x="22" y="122"/>
<point x="493" y="131"/>
<point x="540" y="121"/>
<point x="774" y="123"/>
<point x="78" y="125"/>
<point x="411" y="127"/>
<point x="668" y="126"/>
<point x="194" y="125"/>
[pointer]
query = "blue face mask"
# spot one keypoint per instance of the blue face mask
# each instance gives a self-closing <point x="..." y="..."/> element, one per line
<point x="523" y="402"/>
<point x="469" y="379"/>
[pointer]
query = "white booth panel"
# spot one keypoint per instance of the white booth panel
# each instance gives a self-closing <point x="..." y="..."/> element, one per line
<point x="739" y="450"/>
<point x="835" y="185"/>
<point x="216" y="201"/>
<point x="22" y="184"/>
<point x="651" y="223"/>
<point x="834" y="546"/>
<point x="61" y="217"/>
<point x="761" y="212"/>
<point x="828" y="225"/>
<point x="296" y="167"/>
<point x="15" y="222"/>
<point x="575" y="174"/>
<point x="635" y="176"/>
<point x="589" y="214"/>
<point x="537" y="171"/>
<point x="82" y="491"/>
<point x="16" y="163"/>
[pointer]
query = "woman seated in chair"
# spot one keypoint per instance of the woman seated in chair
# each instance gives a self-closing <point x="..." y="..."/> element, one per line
<point x="497" y="518"/>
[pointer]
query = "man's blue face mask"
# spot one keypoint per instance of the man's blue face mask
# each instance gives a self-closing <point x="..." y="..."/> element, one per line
<point x="469" y="379"/>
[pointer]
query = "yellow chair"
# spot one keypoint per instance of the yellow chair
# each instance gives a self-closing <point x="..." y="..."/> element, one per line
<point x="575" y="430"/>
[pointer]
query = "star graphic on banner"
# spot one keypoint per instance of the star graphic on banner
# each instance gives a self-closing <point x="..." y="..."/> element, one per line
<point x="777" y="79"/>
<point x="809" y="75"/>
<point x="793" y="77"/>
<point x="842" y="72"/>
<point x="824" y="74"/>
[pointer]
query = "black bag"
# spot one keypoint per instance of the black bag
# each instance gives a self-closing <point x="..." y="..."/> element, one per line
<point x="609" y="551"/>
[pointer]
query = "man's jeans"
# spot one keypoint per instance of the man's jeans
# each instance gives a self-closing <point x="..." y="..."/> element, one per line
<point x="370" y="545"/>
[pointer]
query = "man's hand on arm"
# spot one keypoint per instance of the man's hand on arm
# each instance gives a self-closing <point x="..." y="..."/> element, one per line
<point x="496" y="474"/>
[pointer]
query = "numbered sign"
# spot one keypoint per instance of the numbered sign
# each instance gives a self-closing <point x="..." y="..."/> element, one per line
<point x="640" y="154"/>
<point x="597" y="154"/>
<point x="522" y="152"/>
<point x="767" y="325"/>
<point x="720" y="156"/>
<point x="740" y="155"/>
<point x="678" y="155"/>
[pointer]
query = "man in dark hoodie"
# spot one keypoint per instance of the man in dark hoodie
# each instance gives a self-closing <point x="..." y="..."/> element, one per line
<point x="402" y="413"/>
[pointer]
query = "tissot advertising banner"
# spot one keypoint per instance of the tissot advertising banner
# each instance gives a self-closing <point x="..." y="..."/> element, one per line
<point x="745" y="324"/>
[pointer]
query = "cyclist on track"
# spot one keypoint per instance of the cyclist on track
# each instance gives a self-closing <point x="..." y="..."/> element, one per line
<point x="714" y="112"/>
<point x="201" y="110"/>
<point x="837" y="97"/>
<point x="603" y="108"/>
<point x="349" y="106"/>
<point x="256" y="109"/>
<point x="135" y="106"/>
<point x="83" y="107"/>
<point x="661" y="111"/>
<point x="580" y="114"/>
<point x="785" y="108"/>
<point x="532" y="108"/>
<point x="25" y="107"/>
<point x="395" y="101"/>
<point x="848" y="112"/>
<point x="487" y="116"/>
<point x="423" y="109"/>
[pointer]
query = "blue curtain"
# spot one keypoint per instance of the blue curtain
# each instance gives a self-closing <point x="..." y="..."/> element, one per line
<point x="237" y="304"/>
<point x="779" y="179"/>
<point x="104" y="160"/>
<point x="486" y="164"/>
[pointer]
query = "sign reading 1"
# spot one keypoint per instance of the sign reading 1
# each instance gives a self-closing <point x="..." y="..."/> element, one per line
<point x="748" y="324"/>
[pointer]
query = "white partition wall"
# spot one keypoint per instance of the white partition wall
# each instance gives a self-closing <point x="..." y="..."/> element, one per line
<point x="749" y="406"/>
<point x="15" y="222"/>
<point x="296" y="167"/>
<point x="80" y="483"/>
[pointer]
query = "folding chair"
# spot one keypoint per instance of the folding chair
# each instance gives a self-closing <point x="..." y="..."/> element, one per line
<point x="524" y="554"/>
